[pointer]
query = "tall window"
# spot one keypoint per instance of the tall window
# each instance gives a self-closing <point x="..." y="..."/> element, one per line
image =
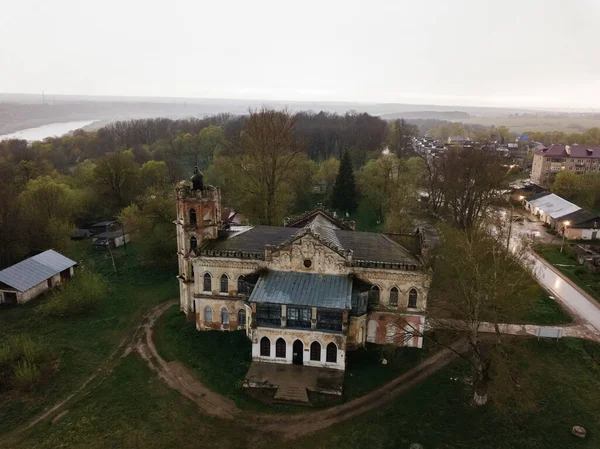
<point x="207" y="282"/>
<point x="241" y="319"/>
<point x="412" y="298"/>
<point x="265" y="347"/>
<point x="315" y="351"/>
<point x="331" y="353"/>
<point x="374" y="295"/>
<point x="394" y="297"/>
<point x="224" y="283"/>
<point x="280" y="348"/>
<point x="208" y="314"/>
<point x="193" y="217"/>
<point x="241" y="286"/>
<point x="193" y="243"/>
<point x="224" y="316"/>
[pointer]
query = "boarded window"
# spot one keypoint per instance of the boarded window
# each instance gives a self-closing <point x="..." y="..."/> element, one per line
<point x="193" y="217"/>
<point x="331" y="353"/>
<point x="412" y="298"/>
<point x="394" y="297"/>
<point x="315" y="351"/>
<point x="207" y="282"/>
<point x="193" y="243"/>
<point x="265" y="347"/>
<point x="280" y="348"/>
<point x="224" y="316"/>
<point x="208" y="314"/>
<point x="224" y="284"/>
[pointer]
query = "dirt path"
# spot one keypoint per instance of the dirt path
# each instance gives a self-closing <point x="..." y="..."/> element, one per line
<point x="179" y="378"/>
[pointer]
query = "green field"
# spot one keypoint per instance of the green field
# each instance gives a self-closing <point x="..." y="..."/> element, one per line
<point x="80" y="345"/>
<point x="566" y="263"/>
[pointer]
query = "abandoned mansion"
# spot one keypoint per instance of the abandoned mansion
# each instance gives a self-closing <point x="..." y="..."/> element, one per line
<point x="304" y="292"/>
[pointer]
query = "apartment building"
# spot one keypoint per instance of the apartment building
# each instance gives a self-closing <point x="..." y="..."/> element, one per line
<point x="556" y="158"/>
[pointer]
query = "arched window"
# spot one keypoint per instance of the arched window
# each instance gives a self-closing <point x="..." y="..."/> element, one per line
<point x="224" y="283"/>
<point x="208" y="314"/>
<point x="242" y="319"/>
<point x="224" y="316"/>
<point x="207" y="282"/>
<point x="241" y="286"/>
<point x="374" y="295"/>
<point x="394" y="297"/>
<point x="412" y="298"/>
<point x="192" y="217"/>
<point x="331" y="353"/>
<point x="280" y="348"/>
<point x="315" y="351"/>
<point x="265" y="347"/>
<point x="193" y="243"/>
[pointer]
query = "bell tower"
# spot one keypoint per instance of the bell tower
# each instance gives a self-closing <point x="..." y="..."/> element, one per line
<point x="198" y="220"/>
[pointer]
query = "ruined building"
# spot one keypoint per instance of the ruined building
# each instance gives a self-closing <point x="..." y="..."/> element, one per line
<point x="304" y="292"/>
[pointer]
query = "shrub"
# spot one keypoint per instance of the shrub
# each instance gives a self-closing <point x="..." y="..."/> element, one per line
<point x="26" y="375"/>
<point x="81" y="295"/>
<point x="22" y="361"/>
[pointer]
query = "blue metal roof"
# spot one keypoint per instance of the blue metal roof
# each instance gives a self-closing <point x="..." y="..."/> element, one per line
<point x="304" y="289"/>
<point x="30" y="272"/>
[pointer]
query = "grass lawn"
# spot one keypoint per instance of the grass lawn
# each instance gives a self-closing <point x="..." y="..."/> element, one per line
<point x="545" y="311"/>
<point x="81" y="344"/>
<point x="221" y="359"/>
<point x="584" y="278"/>
<point x="133" y="409"/>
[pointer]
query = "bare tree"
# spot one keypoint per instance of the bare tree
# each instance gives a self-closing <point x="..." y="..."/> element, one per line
<point x="478" y="284"/>
<point x="463" y="185"/>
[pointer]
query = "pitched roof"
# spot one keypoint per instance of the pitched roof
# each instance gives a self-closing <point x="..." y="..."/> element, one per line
<point x="30" y="272"/>
<point x="580" y="217"/>
<point x="304" y="289"/>
<point x="577" y="151"/>
<point x="554" y="206"/>
<point x="326" y="217"/>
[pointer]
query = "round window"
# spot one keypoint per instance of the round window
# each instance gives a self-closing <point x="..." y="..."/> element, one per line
<point x="307" y="263"/>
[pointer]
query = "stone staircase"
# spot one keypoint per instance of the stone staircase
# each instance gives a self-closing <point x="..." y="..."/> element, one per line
<point x="291" y="394"/>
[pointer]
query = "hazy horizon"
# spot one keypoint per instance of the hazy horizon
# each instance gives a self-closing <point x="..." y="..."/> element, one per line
<point x="536" y="54"/>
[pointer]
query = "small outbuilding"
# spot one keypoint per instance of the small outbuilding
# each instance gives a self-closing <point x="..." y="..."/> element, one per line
<point x="114" y="239"/>
<point x="31" y="277"/>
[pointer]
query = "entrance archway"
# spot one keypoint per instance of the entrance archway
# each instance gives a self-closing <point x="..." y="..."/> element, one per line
<point x="298" y="353"/>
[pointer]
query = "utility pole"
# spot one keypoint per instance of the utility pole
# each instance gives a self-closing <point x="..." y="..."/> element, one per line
<point x="111" y="255"/>
<point x="564" y="230"/>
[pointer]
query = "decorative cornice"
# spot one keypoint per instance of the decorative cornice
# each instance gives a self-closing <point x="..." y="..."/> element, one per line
<point x="227" y="264"/>
<point x="303" y="232"/>
<point x="233" y="254"/>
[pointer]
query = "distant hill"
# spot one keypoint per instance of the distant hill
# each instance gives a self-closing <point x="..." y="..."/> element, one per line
<point x="439" y="115"/>
<point x="21" y="111"/>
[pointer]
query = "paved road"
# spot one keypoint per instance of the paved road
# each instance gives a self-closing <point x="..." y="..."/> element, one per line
<point x="585" y="308"/>
<point x="581" y="305"/>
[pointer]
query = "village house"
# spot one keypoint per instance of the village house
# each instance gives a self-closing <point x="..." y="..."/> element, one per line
<point x="304" y="292"/>
<point x="547" y="162"/>
<point x="108" y="233"/>
<point x="31" y="277"/>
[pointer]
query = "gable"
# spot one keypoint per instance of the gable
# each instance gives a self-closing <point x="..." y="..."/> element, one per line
<point x="307" y="254"/>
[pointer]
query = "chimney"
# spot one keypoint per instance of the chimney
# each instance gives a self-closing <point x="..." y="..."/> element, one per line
<point x="268" y="250"/>
<point x="568" y="149"/>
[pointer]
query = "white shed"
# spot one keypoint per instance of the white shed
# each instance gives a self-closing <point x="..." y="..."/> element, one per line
<point x="29" y="278"/>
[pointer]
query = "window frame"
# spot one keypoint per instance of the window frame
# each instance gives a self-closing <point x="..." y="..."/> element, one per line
<point x="224" y="315"/>
<point x="204" y="279"/>
<point x="394" y="293"/>
<point x="331" y="354"/>
<point x="265" y="347"/>
<point x="280" y="348"/>
<point x="416" y="298"/>
<point x="313" y="351"/>
<point x="225" y="278"/>
<point x="208" y="309"/>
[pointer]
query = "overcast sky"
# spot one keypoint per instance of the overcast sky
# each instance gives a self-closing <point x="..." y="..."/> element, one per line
<point x="465" y="52"/>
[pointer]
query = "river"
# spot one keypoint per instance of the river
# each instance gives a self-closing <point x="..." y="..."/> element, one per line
<point x="51" y="130"/>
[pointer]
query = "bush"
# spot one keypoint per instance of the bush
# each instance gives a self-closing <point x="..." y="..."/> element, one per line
<point x="22" y="361"/>
<point x="26" y="375"/>
<point x="81" y="295"/>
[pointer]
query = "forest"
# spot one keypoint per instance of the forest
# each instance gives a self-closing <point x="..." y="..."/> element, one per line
<point x="128" y="169"/>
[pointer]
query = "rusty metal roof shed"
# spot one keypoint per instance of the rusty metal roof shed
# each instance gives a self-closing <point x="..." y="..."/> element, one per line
<point x="304" y="289"/>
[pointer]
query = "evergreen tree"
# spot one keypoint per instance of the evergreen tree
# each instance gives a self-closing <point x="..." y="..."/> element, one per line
<point x="344" y="191"/>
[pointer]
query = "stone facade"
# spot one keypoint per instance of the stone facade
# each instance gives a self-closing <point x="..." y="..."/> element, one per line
<point x="216" y="283"/>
